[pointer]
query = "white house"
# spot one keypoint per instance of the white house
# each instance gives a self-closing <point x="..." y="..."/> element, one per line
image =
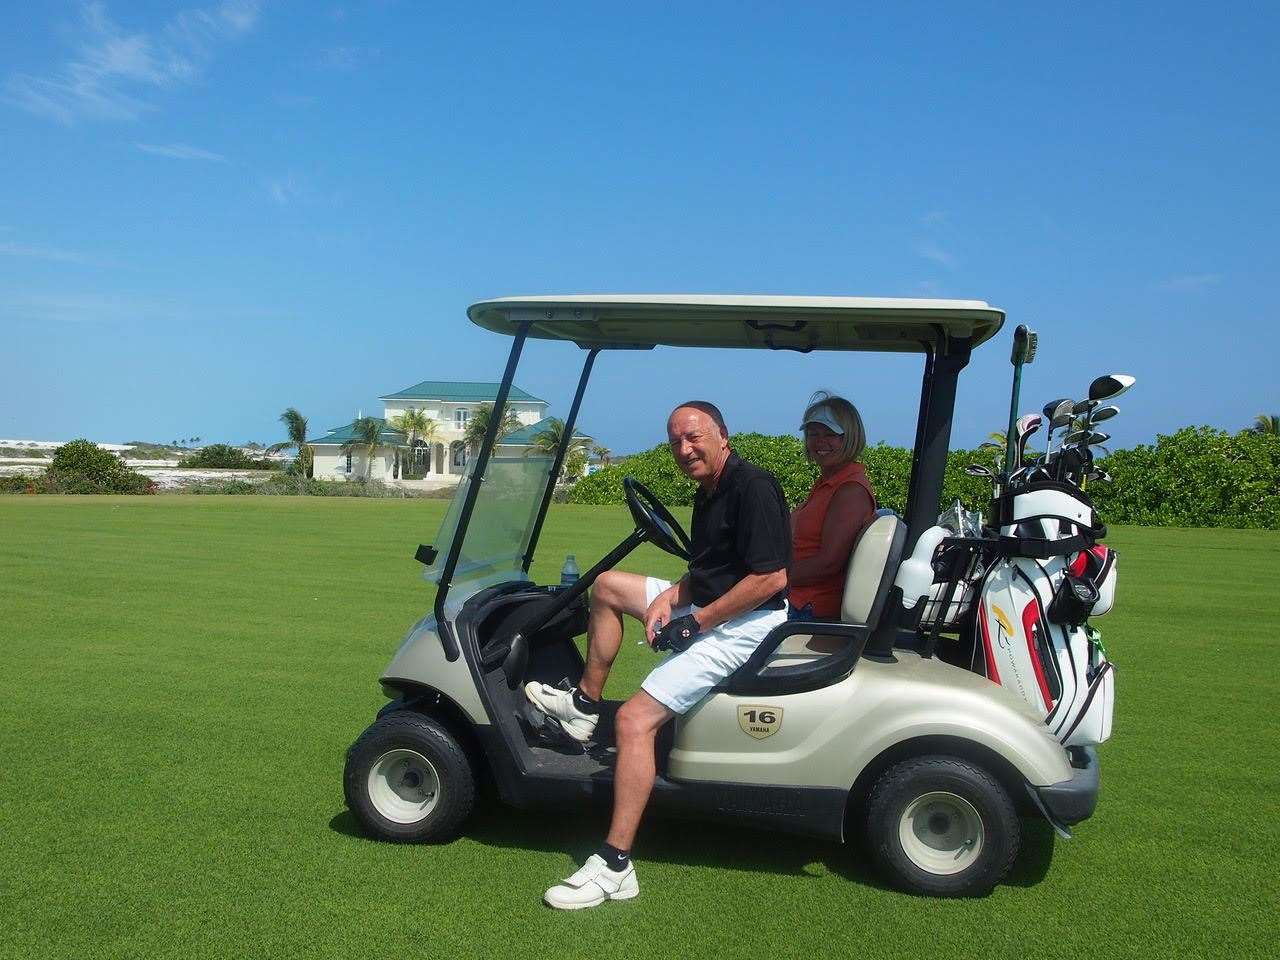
<point x="441" y="458"/>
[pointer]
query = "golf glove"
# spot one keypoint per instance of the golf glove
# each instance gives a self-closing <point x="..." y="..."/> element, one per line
<point x="677" y="635"/>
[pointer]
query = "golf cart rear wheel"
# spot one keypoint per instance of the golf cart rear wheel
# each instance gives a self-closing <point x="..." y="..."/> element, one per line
<point x="942" y="826"/>
<point x="408" y="780"/>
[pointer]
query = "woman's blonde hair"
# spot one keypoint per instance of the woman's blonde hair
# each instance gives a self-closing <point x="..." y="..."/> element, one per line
<point x="845" y="414"/>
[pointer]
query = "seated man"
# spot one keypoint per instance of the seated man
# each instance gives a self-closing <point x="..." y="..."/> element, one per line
<point x="732" y="596"/>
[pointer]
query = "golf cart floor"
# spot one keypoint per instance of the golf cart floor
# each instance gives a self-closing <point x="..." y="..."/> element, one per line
<point x="552" y="752"/>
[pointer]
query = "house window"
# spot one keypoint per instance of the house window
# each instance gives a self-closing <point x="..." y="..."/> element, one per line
<point x="348" y="466"/>
<point x="460" y="418"/>
<point x="459" y="454"/>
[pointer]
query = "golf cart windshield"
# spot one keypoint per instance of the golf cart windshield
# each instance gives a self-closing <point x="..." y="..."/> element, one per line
<point x="506" y="509"/>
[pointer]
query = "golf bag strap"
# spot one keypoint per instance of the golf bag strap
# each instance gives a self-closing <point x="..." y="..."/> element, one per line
<point x="1039" y="549"/>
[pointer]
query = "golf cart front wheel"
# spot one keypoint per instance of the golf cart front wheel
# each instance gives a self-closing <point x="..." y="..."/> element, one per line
<point x="408" y="780"/>
<point x="942" y="826"/>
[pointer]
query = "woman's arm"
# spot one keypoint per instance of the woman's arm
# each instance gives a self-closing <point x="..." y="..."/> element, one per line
<point x="850" y="509"/>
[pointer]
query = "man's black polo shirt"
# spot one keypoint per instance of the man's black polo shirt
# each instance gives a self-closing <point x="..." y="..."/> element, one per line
<point x="743" y="527"/>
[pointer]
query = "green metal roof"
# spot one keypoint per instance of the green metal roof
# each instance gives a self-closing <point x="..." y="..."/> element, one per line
<point x="525" y="435"/>
<point x="458" y="391"/>
<point x="345" y="434"/>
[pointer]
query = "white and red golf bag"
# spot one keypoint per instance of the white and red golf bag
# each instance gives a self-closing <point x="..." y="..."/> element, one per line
<point x="1031" y="627"/>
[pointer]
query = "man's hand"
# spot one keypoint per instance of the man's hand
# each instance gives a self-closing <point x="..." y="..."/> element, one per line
<point x="678" y="635"/>
<point x="659" y="612"/>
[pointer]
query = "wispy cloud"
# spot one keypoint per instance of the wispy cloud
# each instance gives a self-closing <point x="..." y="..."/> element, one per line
<point x="932" y="251"/>
<point x="91" y="309"/>
<point x="10" y="248"/>
<point x="1190" y="281"/>
<point x="285" y="190"/>
<point x="180" y="151"/>
<point x="113" y="72"/>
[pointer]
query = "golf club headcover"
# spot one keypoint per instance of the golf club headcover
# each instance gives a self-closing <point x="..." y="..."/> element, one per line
<point x="677" y="635"/>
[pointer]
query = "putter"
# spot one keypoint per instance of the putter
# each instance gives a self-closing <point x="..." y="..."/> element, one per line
<point x="1024" y="351"/>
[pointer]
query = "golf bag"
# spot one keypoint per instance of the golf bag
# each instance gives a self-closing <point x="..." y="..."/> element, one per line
<point x="1031" y="629"/>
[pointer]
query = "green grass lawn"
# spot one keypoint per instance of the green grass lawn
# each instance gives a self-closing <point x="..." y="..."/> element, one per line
<point x="181" y="677"/>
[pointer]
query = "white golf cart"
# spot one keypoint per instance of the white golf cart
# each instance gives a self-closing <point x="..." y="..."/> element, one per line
<point x="831" y="729"/>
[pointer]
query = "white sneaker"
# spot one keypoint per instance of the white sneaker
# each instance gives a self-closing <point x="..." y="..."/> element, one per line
<point x="593" y="885"/>
<point x="559" y="706"/>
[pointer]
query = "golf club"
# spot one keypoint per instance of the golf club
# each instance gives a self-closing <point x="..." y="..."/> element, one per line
<point x="1025" y="426"/>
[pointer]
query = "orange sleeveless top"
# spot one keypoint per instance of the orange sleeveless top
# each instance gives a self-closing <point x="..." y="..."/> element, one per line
<point x="806" y="537"/>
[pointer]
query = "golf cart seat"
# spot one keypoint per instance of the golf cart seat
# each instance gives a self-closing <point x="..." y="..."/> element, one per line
<point x="873" y="564"/>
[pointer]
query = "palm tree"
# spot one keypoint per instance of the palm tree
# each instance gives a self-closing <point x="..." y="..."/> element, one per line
<point x="548" y="439"/>
<point x="478" y="426"/>
<point x="296" y="426"/>
<point x="1264" y="423"/>
<point x="416" y="425"/>
<point x="602" y="453"/>
<point x="366" y="439"/>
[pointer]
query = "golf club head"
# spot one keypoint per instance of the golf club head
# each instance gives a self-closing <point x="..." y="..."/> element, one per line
<point x="978" y="470"/>
<point x="1109" y="386"/>
<point x="1082" y="407"/>
<point x="1076" y="438"/>
<point x="1052" y="411"/>
<point x="1026" y="425"/>
<point x="1099" y="476"/>
<point x="1103" y="413"/>
<point x="1093" y="439"/>
<point x="1062" y="414"/>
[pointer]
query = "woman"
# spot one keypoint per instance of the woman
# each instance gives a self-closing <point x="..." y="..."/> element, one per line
<point x="840" y="506"/>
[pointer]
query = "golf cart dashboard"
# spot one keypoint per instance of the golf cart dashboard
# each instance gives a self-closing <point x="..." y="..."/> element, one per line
<point x="494" y="617"/>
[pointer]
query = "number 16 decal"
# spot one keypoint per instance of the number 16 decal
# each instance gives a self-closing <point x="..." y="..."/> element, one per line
<point x="759" y="720"/>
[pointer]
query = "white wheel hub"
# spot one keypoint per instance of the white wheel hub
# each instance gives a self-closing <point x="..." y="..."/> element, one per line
<point x="403" y="786"/>
<point x="941" y="833"/>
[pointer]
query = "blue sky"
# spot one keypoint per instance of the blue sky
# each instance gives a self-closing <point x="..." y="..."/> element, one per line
<point x="211" y="212"/>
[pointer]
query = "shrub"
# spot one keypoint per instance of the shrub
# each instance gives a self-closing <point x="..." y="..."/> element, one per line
<point x="81" y="467"/>
<point x="220" y="455"/>
<point x="1197" y="477"/>
<point x="20" y="483"/>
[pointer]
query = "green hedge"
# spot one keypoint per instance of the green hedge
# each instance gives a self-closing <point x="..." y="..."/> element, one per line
<point x="1197" y="477"/>
<point x="888" y="467"/>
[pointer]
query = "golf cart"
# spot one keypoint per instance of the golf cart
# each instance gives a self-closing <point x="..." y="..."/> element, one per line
<point x="836" y="730"/>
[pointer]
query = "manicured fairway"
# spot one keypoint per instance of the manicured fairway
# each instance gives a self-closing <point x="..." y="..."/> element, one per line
<point x="180" y="677"/>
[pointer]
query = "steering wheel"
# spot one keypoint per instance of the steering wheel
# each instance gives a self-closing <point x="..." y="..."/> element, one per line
<point x="654" y="520"/>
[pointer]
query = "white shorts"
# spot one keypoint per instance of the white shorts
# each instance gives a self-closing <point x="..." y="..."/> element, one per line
<point x="684" y="678"/>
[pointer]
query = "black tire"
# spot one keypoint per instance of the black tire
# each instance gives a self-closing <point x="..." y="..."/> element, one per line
<point x="951" y="810"/>
<point x="394" y="795"/>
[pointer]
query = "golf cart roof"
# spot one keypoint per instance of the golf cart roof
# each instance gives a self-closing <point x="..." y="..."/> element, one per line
<point x="634" y="321"/>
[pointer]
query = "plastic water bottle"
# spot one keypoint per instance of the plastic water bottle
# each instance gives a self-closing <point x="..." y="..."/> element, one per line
<point x="569" y="572"/>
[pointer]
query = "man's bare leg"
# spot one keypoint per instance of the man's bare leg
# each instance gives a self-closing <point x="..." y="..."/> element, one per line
<point x="636" y="729"/>
<point x="613" y="594"/>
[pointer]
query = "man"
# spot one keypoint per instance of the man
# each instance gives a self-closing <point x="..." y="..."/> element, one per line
<point x="732" y="596"/>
